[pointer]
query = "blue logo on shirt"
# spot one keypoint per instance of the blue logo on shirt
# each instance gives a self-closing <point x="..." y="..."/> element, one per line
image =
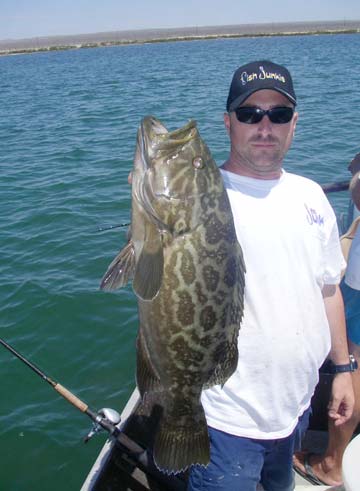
<point x="313" y="216"/>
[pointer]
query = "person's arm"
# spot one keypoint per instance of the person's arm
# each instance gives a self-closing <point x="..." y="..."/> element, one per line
<point x="354" y="168"/>
<point x="341" y="403"/>
<point x="355" y="189"/>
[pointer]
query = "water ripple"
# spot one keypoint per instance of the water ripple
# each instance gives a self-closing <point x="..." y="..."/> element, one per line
<point x="67" y="140"/>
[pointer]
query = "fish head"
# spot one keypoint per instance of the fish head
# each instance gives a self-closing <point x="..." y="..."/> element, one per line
<point x="175" y="171"/>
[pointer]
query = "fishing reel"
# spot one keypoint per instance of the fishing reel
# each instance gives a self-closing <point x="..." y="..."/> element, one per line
<point x="104" y="419"/>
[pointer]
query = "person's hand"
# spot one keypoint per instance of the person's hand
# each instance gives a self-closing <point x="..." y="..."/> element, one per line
<point x="354" y="165"/>
<point x="342" y="399"/>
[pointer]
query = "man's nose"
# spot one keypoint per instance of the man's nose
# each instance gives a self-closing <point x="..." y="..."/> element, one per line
<point x="265" y="125"/>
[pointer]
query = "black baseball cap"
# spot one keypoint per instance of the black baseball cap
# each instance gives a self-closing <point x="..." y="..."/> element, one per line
<point x="256" y="76"/>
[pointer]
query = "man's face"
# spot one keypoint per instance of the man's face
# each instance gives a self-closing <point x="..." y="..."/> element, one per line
<point x="257" y="150"/>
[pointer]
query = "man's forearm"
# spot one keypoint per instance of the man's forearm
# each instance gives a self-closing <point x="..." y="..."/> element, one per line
<point x="334" y="307"/>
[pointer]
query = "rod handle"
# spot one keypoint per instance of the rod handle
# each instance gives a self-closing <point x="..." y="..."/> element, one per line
<point x="69" y="396"/>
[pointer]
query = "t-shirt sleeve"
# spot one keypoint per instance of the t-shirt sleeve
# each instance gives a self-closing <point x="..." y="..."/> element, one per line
<point x="334" y="261"/>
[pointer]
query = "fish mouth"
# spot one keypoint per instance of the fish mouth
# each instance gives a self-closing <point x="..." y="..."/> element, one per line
<point x="156" y="149"/>
<point x="156" y="142"/>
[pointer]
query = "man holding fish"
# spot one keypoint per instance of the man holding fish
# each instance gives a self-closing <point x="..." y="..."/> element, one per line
<point x="293" y="308"/>
<point x="211" y="250"/>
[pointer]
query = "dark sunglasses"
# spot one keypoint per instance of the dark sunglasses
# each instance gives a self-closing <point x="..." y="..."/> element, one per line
<point x="253" y="115"/>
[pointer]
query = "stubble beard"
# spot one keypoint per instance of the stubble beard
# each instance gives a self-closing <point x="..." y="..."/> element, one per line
<point x="266" y="160"/>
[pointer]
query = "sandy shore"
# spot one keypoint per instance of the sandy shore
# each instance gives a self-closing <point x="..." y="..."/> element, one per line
<point x="175" y="34"/>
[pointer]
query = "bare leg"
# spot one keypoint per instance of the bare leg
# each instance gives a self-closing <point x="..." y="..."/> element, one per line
<point x="327" y="467"/>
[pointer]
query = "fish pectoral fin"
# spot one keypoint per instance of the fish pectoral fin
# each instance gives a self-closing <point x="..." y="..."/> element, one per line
<point x="149" y="270"/>
<point x="121" y="269"/>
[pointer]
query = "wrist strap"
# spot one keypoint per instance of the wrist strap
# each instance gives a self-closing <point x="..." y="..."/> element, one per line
<point x="331" y="368"/>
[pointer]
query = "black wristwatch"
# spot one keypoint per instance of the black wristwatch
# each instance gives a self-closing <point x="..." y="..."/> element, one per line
<point x="330" y="367"/>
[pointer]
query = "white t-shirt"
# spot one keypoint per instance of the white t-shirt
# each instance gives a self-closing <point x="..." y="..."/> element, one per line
<point x="289" y="236"/>
<point x="352" y="275"/>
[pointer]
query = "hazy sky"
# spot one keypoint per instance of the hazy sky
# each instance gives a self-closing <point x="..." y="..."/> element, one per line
<point x="33" y="18"/>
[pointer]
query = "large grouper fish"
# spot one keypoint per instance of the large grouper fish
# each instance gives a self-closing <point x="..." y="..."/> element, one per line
<point x="187" y="272"/>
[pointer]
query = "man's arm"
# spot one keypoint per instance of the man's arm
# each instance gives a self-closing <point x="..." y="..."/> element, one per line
<point x="341" y="403"/>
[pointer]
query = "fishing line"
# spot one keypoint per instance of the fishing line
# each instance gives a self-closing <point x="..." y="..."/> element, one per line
<point x="111" y="227"/>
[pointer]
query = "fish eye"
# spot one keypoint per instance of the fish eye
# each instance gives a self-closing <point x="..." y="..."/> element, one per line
<point x="198" y="163"/>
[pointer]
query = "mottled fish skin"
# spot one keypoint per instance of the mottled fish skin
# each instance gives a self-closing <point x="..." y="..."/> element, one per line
<point x="183" y="236"/>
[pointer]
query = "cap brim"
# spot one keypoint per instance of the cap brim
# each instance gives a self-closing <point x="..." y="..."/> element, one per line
<point x="239" y="100"/>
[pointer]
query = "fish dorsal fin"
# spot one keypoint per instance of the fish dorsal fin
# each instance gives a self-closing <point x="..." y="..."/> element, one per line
<point x="149" y="268"/>
<point x="121" y="269"/>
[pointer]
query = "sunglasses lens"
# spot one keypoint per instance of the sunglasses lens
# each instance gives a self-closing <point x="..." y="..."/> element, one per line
<point x="253" y="115"/>
<point x="281" y="115"/>
<point x="249" y="115"/>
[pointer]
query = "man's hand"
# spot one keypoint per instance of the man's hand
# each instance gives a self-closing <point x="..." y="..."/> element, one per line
<point x="342" y="399"/>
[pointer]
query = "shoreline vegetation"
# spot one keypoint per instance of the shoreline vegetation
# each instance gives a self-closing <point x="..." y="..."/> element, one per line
<point x="143" y="36"/>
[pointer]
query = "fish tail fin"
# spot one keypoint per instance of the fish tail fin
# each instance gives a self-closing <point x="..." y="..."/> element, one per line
<point x="181" y="442"/>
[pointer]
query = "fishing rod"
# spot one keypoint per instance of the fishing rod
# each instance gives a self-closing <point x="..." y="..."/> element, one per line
<point x="334" y="187"/>
<point x="331" y="187"/>
<point x="107" y="419"/>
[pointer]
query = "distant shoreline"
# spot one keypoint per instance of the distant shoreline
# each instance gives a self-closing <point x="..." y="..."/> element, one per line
<point x="121" y="38"/>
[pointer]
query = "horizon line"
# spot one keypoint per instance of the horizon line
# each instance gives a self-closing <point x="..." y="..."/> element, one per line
<point x="180" y="28"/>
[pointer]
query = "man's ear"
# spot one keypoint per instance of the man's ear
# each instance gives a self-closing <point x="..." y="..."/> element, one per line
<point x="227" y="122"/>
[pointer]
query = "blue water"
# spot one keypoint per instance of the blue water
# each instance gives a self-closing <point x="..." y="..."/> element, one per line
<point x="67" y="136"/>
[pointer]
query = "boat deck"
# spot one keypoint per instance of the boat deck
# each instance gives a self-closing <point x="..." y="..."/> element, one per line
<point x="125" y="466"/>
<point x="119" y="473"/>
